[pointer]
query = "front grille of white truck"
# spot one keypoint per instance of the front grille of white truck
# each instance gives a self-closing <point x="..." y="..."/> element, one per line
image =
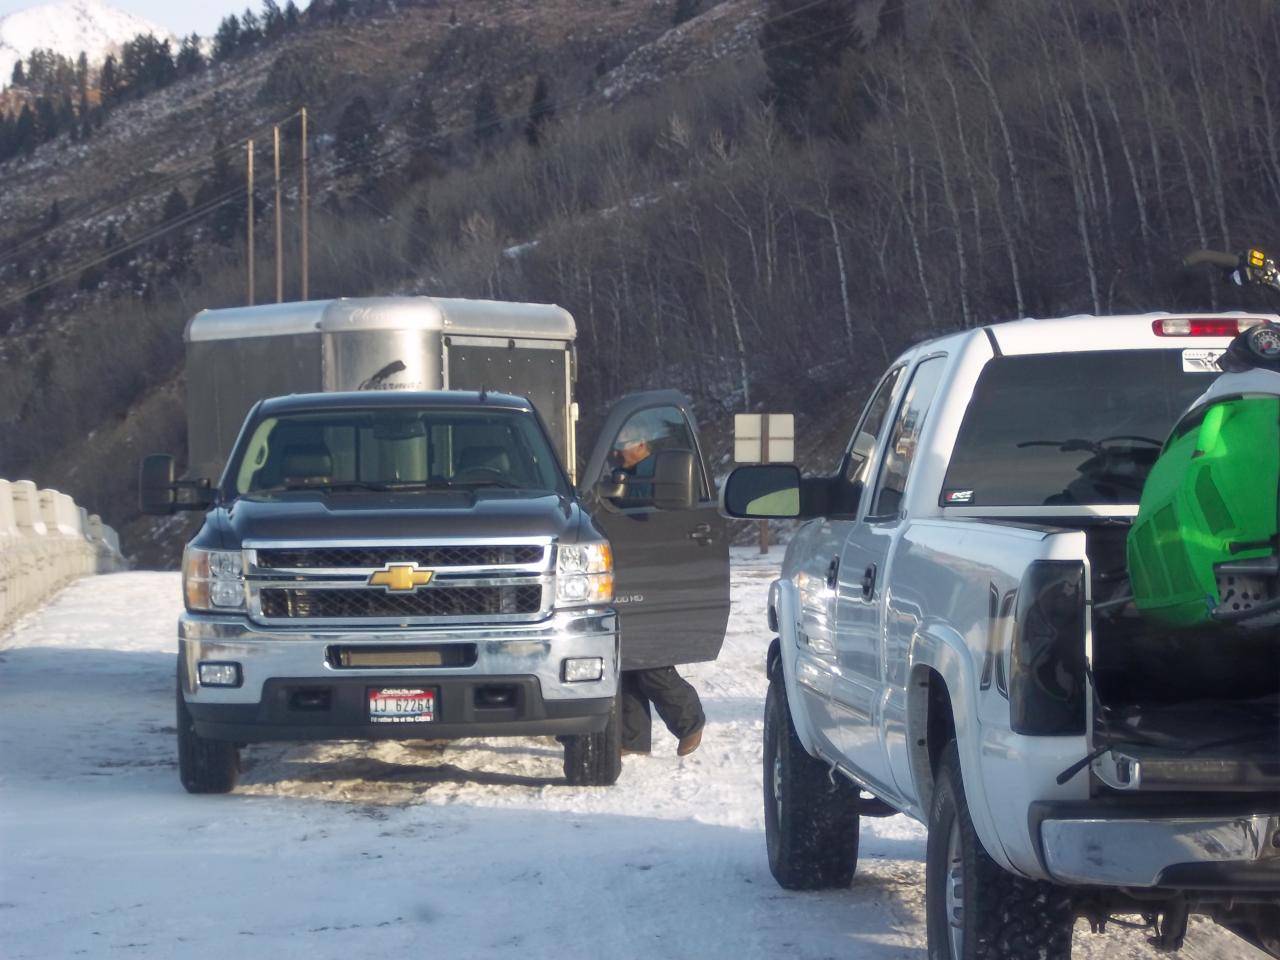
<point x="336" y="584"/>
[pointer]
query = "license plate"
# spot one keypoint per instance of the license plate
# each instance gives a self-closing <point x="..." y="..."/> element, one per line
<point x="401" y="705"/>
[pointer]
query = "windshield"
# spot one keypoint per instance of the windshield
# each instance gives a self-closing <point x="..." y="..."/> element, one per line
<point x="396" y="448"/>
<point x="1069" y="428"/>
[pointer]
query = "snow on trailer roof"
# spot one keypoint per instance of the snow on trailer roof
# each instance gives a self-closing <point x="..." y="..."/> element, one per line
<point x="480" y="318"/>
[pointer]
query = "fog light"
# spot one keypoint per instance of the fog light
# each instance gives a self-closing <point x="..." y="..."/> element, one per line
<point x="218" y="674"/>
<point x="580" y="669"/>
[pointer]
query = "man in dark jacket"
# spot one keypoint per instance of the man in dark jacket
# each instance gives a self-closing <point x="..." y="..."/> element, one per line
<point x="675" y="699"/>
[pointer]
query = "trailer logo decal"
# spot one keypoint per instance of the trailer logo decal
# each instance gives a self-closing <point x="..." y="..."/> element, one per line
<point x="400" y="577"/>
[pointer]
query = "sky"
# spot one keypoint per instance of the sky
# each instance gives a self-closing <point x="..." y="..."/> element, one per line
<point x="181" y="17"/>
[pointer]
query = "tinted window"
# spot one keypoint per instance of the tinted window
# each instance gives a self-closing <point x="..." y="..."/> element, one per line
<point x="1068" y="428"/>
<point x="645" y="433"/>
<point x="901" y="451"/>
<point x="397" y="448"/>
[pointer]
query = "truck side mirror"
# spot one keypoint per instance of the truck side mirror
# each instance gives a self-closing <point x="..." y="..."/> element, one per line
<point x="766" y="492"/>
<point x="156" y="492"/>
<point x="674" y="480"/>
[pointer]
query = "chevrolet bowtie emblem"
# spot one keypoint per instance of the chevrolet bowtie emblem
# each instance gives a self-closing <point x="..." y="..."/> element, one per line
<point x="400" y="577"/>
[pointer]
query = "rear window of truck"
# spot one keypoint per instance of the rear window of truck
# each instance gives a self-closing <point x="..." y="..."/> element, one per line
<point x="1068" y="429"/>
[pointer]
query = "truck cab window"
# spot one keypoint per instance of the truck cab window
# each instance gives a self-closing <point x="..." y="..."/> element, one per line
<point x="398" y="449"/>
<point x="862" y="446"/>
<point x="905" y="437"/>
<point x="634" y="449"/>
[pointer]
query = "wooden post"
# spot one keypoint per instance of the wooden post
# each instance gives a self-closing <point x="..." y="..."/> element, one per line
<point x="249" y="214"/>
<point x="305" y="238"/>
<point x="764" y="458"/>
<point x="279" y="222"/>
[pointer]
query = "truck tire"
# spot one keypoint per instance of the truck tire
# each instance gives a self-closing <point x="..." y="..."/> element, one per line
<point x="205" y="766"/>
<point x="997" y="915"/>
<point x="810" y="821"/>
<point x="595" y="759"/>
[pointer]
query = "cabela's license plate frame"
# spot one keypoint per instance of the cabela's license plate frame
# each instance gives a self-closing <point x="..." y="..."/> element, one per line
<point x="402" y="704"/>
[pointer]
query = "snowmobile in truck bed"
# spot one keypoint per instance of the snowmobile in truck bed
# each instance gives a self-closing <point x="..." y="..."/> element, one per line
<point x="1203" y="550"/>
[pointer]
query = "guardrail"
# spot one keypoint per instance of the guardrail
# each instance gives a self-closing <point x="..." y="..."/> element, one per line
<point x="46" y="541"/>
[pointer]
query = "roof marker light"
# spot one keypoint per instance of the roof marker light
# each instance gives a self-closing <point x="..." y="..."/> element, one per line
<point x="1204" y="326"/>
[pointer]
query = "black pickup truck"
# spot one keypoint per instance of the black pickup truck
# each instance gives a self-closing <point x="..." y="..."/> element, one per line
<point x="418" y="565"/>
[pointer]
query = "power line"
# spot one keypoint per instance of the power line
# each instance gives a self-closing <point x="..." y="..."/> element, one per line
<point x="151" y="188"/>
<point x="337" y="171"/>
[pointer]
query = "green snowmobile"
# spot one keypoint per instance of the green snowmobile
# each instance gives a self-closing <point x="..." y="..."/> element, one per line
<point x="1203" y="550"/>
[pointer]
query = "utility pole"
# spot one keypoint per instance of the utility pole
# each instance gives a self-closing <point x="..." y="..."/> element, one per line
<point x="305" y="245"/>
<point x="249" y="217"/>
<point x="279" y="222"/>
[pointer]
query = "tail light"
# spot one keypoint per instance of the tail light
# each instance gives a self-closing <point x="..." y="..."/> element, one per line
<point x="1046" y="662"/>
<point x="1204" y="326"/>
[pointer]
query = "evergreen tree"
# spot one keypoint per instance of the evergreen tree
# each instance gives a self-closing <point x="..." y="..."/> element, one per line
<point x="46" y="120"/>
<point x="24" y="131"/>
<point x="541" y="110"/>
<point x="227" y="38"/>
<point x="175" y="205"/>
<point x="67" y="115"/>
<point x="487" y="123"/>
<point x="84" y="117"/>
<point x="250" y="29"/>
<point x="54" y="216"/>
<point x="272" y="19"/>
<point x="190" y="58"/>
<point x="82" y="75"/>
<point x="108" y="81"/>
<point x="357" y="135"/>
<point x="290" y="15"/>
<point x="6" y="138"/>
<point x="19" y="75"/>
<point x="685" y="10"/>
<point x="800" y="42"/>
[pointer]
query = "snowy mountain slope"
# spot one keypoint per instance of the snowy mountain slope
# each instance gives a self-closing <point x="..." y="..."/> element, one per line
<point x="67" y="27"/>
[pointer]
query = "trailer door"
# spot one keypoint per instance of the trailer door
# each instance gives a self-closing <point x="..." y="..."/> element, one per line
<point x="537" y="369"/>
<point x="671" y="567"/>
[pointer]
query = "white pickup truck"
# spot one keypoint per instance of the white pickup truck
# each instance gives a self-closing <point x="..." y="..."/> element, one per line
<point x="955" y="642"/>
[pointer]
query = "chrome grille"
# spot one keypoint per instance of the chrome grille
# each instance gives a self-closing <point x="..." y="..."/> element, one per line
<point x="326" y="558"/>
<point x="327" y="584"/>
<point x="359" y="603"/>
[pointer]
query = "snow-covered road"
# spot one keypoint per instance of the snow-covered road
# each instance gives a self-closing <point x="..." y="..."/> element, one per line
<point x="475" y="849"/>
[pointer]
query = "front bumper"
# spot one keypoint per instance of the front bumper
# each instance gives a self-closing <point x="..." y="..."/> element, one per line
<point x="295" y="688"/>
<point x="1174" y="849"/>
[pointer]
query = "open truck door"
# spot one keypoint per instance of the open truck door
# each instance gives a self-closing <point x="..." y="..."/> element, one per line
<point x="648" y="488"/>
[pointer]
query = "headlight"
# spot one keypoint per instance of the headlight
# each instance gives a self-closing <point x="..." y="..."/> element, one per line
<point x="584" y="575"/>
<point x="213" y="579"/>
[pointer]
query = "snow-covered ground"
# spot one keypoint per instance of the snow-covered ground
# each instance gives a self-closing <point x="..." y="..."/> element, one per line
<point x="475" y="849"/>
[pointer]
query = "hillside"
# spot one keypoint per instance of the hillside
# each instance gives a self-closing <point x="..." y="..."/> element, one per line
<point x="760" y="205"/>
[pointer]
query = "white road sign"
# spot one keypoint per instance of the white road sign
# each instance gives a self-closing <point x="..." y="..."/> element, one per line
<point x="750" y="431"/>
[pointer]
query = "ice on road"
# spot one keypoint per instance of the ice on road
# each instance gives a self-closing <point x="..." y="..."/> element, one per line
<point x="471" y="849"/>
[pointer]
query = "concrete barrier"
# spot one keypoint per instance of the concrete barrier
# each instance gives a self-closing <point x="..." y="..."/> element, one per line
<point x="46" y="541"/>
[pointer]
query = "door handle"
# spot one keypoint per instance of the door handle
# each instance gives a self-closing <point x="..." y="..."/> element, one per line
<point x="869" y="581"/>
<point x="702" y="533"/>
<point x="833" y="573"/>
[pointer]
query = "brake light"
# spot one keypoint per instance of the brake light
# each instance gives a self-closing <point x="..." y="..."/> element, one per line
<point x="1204" y="327"/>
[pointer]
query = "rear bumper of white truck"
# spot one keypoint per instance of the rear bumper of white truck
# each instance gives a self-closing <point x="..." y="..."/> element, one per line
<point x="1164" y="849"/>
<point x="315" y="685"/>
